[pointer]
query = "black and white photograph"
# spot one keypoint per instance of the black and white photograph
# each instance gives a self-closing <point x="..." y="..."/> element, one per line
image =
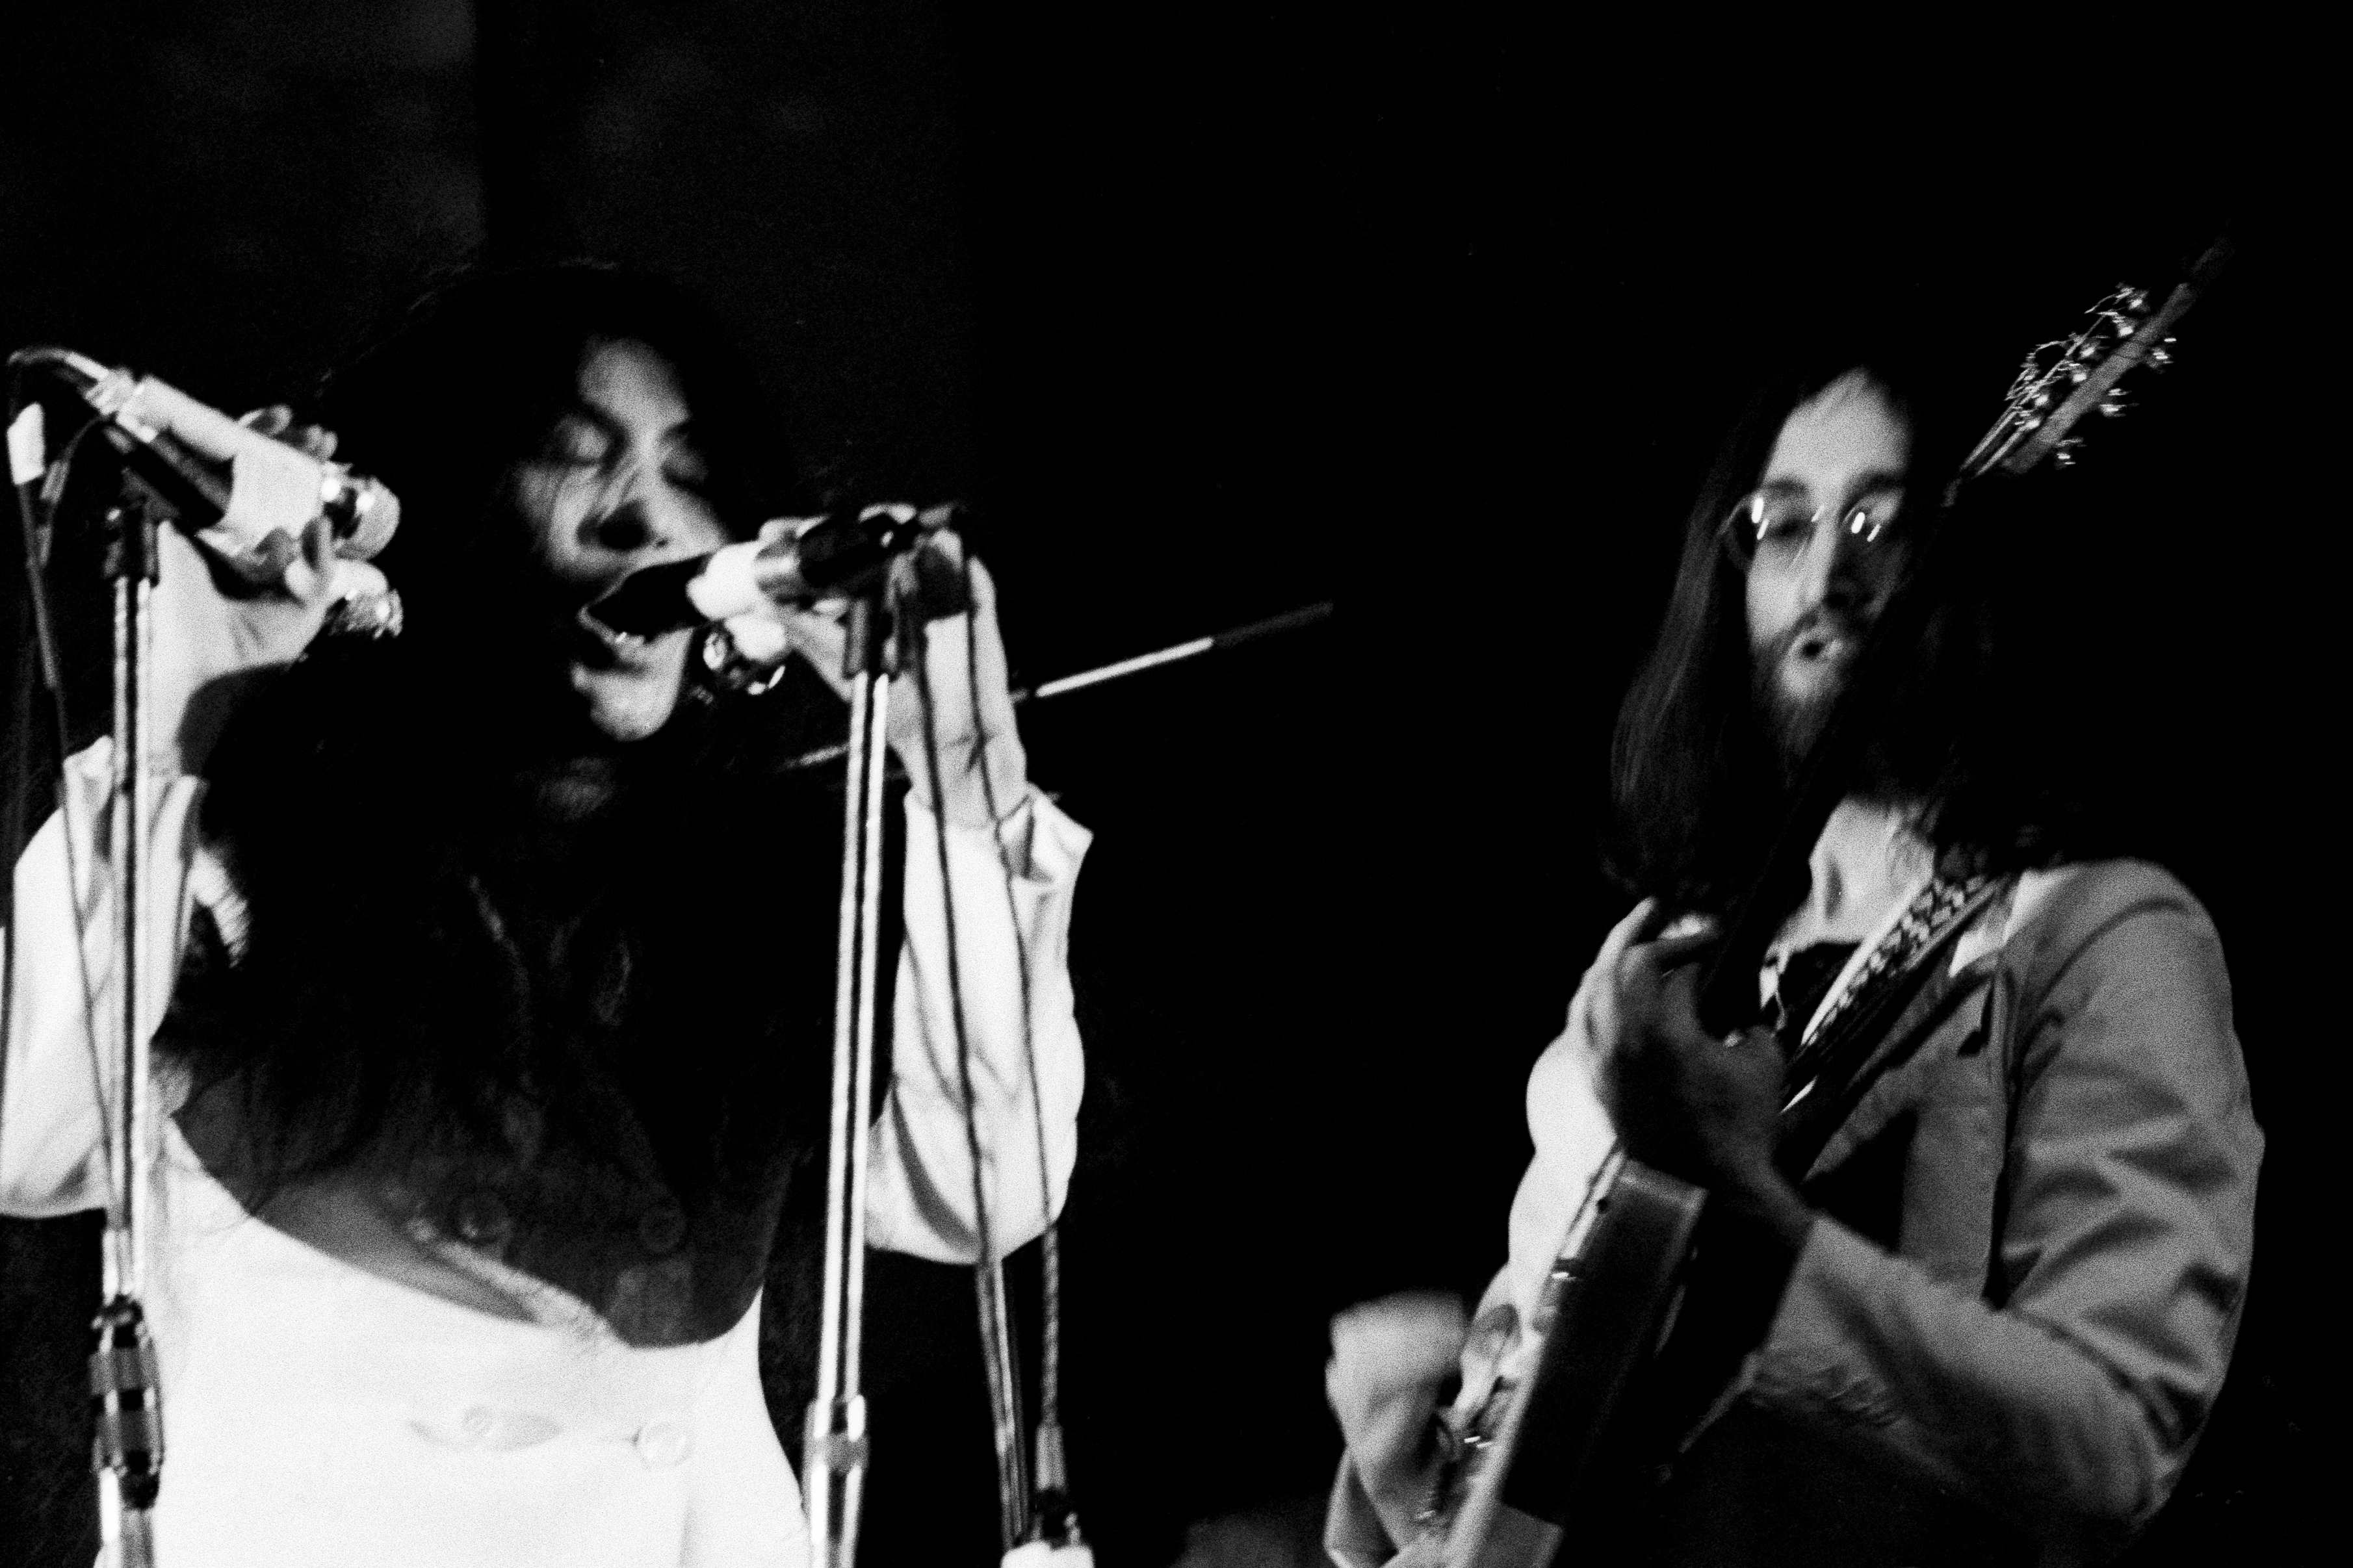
<point x="823" y="783"/>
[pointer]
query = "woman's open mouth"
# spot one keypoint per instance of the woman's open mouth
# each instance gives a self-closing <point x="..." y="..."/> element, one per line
<point x="600" y="647"/>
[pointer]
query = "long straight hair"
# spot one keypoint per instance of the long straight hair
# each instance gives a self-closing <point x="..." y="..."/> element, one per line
<point x="392" y="993"/>
<point x="1697" y="785"/>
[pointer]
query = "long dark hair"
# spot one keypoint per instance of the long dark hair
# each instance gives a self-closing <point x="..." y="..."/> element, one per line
<point x="472" y="378"/>
<point x="429" y="945"/>
<point x="1698" y="785"/>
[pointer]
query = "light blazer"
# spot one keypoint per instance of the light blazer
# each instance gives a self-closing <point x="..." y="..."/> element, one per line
<point x="2004" y="1332"/>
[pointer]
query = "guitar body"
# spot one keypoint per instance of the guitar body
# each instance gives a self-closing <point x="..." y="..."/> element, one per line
<point x="1607" y="1302"/>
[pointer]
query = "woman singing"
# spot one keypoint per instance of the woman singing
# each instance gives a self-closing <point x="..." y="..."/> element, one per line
<point x="495" y="1054"/>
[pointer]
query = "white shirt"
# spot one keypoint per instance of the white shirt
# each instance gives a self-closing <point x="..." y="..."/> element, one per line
<point x="1866" y="867"/>
<point x="316" y="1413"/>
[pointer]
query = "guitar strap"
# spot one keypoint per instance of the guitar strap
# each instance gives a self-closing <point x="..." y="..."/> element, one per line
<point x="1824" y="1072"/>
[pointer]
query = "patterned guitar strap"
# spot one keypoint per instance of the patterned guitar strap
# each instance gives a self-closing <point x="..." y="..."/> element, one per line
<point x="1841" y="1039"/>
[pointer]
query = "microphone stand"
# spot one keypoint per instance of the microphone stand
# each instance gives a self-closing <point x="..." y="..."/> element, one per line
<point x="128" y="1449"/>
<point x="834" y="1451"/>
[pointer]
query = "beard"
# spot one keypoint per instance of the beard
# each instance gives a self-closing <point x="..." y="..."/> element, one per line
<point x="1792" y="721"/>
<point x="1898" y="759"/>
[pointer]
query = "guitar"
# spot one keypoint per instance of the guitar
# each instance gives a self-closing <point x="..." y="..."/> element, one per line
<point x="1557" y="1443"/>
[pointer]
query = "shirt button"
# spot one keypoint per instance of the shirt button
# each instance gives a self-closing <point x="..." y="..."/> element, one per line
<point x="662" y="1229"/>
<point x="481" y="1219"/>
<point x="477" y="1423"/>
<point x="662" y="1444"/>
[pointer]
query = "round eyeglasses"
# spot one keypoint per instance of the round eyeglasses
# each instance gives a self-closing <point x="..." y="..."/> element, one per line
<point x="1779" y="526"/>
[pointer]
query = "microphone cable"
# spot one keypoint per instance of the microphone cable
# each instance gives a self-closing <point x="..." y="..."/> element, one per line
<point x="40" y="487"/>
<point x="127" y="1448"/>
<point x="1003" y="1386"/>
<point x="1052" y="1516"/>
<point x="1025" y="1515"/>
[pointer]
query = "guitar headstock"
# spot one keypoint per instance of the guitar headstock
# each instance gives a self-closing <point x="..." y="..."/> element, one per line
<point x="2050" y="397"/>
<point x="2067" y="379"/>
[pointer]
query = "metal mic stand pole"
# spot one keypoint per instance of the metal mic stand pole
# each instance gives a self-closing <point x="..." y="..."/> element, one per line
<point x="128" y="1449"/>
<point x="834" y="1452"/>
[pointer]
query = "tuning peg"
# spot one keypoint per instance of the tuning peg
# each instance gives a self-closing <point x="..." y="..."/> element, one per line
<point x="2064" y="455"/>
<point x="2077" y="372"/>
<point x="2133" y="300"/>
<point x="2160" y="356"/>
<point x="2114" y="403"/>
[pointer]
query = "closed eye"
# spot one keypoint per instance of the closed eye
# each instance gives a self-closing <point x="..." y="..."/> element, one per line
<point x="687" y="469"/>
<point x="580" y="441"/>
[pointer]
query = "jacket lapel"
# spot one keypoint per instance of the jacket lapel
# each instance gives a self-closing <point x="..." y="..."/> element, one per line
<point x="1883" y="1087"/>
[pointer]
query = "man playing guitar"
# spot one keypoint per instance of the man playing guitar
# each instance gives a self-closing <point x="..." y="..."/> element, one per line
<point x="1980" y="1311"/>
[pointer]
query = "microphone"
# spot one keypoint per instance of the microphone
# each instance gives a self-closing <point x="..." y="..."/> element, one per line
<point x="252" y="516"/>
<point x="795" y="561"/>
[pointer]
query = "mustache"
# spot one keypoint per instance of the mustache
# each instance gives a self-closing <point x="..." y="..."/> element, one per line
<point x="1792" y="724"/>
<point x="1822" y="620"/>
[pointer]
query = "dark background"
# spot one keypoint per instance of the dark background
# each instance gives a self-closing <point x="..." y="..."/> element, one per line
<point x="1221" y="310"/>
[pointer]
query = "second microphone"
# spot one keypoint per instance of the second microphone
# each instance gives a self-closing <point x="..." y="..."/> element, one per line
<point x="794" y="562"/>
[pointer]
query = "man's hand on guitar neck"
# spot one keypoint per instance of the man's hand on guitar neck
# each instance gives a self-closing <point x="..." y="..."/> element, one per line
<point x="1683" y="1100"/>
